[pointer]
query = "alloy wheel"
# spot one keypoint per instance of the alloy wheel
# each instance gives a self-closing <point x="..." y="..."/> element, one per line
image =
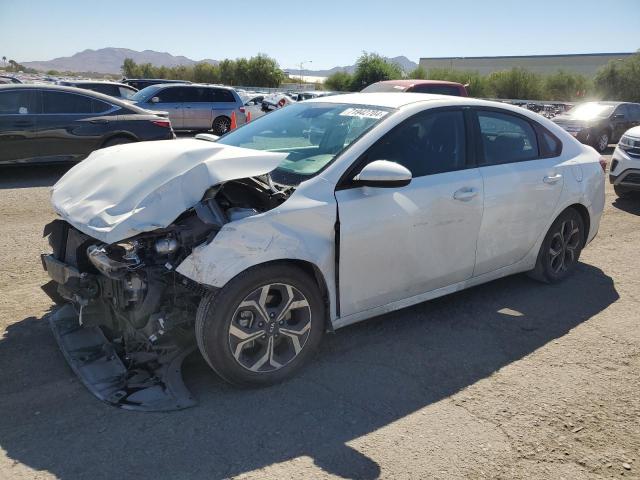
<point x="221" y="126"/>
<point x="563" y="249"/>
<point x="603" y="142"/>
<point x="270" y="327"/>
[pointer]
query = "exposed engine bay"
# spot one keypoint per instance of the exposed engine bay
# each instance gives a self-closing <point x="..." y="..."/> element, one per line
<point x="129" y="319"/>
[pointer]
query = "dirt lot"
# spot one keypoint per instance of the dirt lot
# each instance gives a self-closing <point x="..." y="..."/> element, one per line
<point x="507" y="380"/>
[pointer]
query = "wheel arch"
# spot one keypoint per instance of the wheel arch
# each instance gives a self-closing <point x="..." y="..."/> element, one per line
<point x="586" y="218"/>
<point x="314" y="272"/>
<point x="111" y="136"/>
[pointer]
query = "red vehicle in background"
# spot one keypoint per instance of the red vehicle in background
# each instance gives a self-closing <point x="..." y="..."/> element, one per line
<point x="440" y="87"/>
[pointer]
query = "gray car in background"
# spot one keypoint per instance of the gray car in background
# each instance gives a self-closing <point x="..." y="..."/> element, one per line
<point x="194" y="107"/>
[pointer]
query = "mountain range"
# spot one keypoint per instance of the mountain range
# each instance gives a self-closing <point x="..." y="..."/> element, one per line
<point x="109" y="60"/>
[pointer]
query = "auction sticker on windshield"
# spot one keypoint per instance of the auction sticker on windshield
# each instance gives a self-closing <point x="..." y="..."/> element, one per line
<point x="363" y="113"/>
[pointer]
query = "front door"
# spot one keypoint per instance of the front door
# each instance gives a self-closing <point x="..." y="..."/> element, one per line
<point x="170" y="101"/>
<point x="396" y="243"/>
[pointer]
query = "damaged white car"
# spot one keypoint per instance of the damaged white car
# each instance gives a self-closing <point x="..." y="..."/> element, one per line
<point x="316" y="216"/>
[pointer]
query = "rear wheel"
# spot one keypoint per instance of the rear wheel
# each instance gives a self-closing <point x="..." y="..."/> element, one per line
<point x="561" y="248"/>
<point x="221" y="125"/>
<point x="262" y="326"/>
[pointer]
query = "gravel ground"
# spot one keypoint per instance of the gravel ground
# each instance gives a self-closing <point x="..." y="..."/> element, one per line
<point x="512" y="379"/>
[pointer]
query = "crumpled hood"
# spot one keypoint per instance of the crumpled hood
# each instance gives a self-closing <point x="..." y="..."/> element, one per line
<point x="121" y="191"/>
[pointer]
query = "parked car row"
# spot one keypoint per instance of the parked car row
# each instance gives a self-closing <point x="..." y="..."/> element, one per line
<point x="46" y="123"/>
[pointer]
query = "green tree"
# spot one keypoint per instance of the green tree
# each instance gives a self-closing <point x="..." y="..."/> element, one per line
<point x="371" y="68"/>
<point x="565" y="86"/>
<point x="263" y="71"/>
<point x="206" y="73"/>
<point x="515" y="83"/>
<point x="620" y="80"/>
<point x="340" y="82"/>
<point x="418" y="73"/>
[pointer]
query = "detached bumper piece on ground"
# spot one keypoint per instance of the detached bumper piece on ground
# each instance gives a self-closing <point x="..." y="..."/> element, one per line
<point x="148" y="382"/>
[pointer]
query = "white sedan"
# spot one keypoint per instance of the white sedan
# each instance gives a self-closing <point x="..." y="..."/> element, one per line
<point x="311" y="218"/>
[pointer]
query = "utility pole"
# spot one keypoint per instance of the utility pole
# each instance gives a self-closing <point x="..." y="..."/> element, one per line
<point x="301" y="78"/>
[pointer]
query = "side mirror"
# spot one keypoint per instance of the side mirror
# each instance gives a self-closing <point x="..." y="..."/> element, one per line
<point x="155" y="99"/>
<point x="383" y="174"/>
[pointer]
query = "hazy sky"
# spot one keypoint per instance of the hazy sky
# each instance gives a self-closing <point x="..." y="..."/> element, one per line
<point x="328" y="32"/>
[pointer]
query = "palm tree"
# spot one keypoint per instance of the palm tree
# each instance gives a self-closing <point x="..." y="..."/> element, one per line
<point x="4" y="61"/>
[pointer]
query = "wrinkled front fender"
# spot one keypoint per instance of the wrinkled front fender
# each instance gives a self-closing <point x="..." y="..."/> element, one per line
<point x="300" y="229"/>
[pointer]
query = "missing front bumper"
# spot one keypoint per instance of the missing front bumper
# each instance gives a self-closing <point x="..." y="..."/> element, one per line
<point x="96" y="362"/>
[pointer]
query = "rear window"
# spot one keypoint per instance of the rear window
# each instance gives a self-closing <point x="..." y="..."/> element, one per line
<point x="437" y="89"/>
<point x="383" y="87"/>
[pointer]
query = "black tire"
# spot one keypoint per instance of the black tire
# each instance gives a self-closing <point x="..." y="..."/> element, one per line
<point x="602" y="141"/>
<point x="117" y="141"/>
<point x="221" y="125"/>
<point x="220" y="311"/>
<point x="561" y="237"/>
<point x="622" y="192"/>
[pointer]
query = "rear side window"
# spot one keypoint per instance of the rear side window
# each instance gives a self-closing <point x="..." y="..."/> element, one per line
<point x="18" y="102"/>
<point x="427" y="143"/>
<point x="220" y="95"/>
<point x="98" y="106"/>
<point x="550" y="146"/>
<point x="63" y="102"/>
<point x="192" y="94"/>
<point x="506" y="138"/>
<point x="437" y="89"/>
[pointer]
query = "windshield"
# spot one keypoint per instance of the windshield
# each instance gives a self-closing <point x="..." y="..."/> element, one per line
<point x="587" y="111"/>
<point x="312" y="134"/>
<point x="145" y="93"/>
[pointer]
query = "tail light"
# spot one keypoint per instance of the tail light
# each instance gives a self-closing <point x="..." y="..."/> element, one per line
<point x="162" y="123"/>
<point x="603" y="164"/>
<point x="241" y="109"/>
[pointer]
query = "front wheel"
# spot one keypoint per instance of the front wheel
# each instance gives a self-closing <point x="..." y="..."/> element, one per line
<point x="602" y="142"/>
<point x="221" y="125"/>
<point x="561" y="248"/>
<point x="262" y="326"/>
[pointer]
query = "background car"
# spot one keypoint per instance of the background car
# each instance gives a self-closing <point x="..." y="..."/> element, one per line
<point x="440" y="87"/>
<point x="140" y="83"/>
<point x="47" y="123"/>
<point x="194" y="107"/>
<point x="624" y="172"/>
<point x="113" y="89"/>
<point x="599" y="123"/>
<point x="4" y="79"/>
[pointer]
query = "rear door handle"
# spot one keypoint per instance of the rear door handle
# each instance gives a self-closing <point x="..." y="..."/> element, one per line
<point x="98" y="120"/>
<point x="465" y="194"/>
<point x="551" y="179"/>
<point x="23" y="123"/>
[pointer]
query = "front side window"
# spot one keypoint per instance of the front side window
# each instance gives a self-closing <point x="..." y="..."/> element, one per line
<point x="63" y="102"/>
<point x="18" y="102"/>
<point x="506" y="138"/>
<point x="428" y="143"/>
<point x="171" y="95"/>
<point x="311" y="134"/>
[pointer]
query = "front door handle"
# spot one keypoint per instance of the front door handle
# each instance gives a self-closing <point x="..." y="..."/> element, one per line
<point x="551" y="179"/>
<point x="465" y="194"/>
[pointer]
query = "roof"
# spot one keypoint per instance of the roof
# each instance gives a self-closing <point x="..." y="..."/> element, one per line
<point x="410" y="82"/>
<point x="82" y="91"/>
<point x="92" y="82"/>
<point x="532" y="56"/>
<point x="383" y="99"/>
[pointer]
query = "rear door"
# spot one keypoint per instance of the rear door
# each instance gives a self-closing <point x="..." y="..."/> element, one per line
<point x="71" y="125"/>
<point x="18" y="116"/>
<point x="170" y="100"/>
<point x="198" y="108"/>
<point x="396" y="243"/>
<point x="522" y="180"/>
<point x="224" y="102"/>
